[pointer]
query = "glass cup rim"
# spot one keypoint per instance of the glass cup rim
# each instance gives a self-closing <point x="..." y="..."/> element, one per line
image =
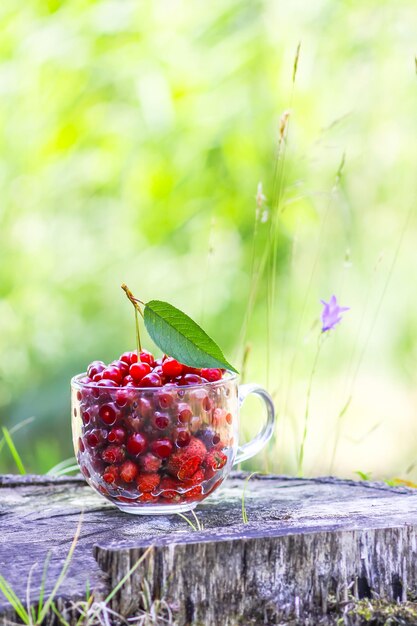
<point x="228" y="377"/>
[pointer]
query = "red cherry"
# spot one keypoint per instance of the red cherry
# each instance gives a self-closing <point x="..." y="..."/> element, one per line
<point x="84" y="470"/>
<point x="165" y="400"/>
<point x="171" y="367"/>
<point x="97" y="377"/>
<point x="161" y="421"/>
<point x="151" y="380"/>
<point x="106" y="382"/>
<point x="211" y="374"/>
<point x="113" y="373"/>
<point x="191" y="379"/>
<point x="108" y="413"/>
<point x="116" y="435"/>
<point x="128" y="471"/>
<point x="113" y="454"/>
<point x="136" y="444"/>
<point x="161" y="448"/>
<point x="147" y="357"/>
<point x="183" y="438"/>
<point x="126" y="380"/>
<point x="94" y="438"/>
<point x="184" y="413"/>
<point x="191" y="370"/>
<point x="96" y="367"/>
<point x="139" y="370"/>
<point x="122" y="397"/>
<point x="129" y="357"/>
<point x="144" y="407"/>
<point x="121" y="365"/>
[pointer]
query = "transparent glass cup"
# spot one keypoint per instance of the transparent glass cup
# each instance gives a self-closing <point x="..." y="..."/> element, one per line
<point x="164" y="449"/>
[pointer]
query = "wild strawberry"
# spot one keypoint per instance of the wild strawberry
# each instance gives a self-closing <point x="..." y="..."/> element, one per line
<point x="114" y="454"/>
<point x="111" y="474"/>
<point x="169" y="488"/>
<point x="184" y="462"/>
<point x="196" y="479"/>
<point x="149" y="463"/>
<point x="215" y="460"/>
<point x="128" y="471"/>
<point x="148" y="482"/>
<point x="194" y="493"/>
<point x="148" y="497"/>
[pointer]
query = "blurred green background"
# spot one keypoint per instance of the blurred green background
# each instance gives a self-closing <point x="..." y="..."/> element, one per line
<point x="134" y="136"/>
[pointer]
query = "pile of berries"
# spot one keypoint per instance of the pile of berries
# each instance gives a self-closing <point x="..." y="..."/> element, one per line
<point x="146" y="371"/>
<point x="150" y="431"/>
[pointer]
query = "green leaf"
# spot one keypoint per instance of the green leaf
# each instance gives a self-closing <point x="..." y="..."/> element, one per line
<point x="179" y="336"/>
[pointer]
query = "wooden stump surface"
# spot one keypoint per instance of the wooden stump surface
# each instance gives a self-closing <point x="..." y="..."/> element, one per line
<point x="306" y="540"/>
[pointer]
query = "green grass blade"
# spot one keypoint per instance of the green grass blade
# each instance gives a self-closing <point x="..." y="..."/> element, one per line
<point x="128" y="575"/>
<point x="59" y="467"/>
<point x="244" y="514"/>
<point x="42" y="590"/>
<point x="91" y="618"/>
<point x="13" y="451"/>
<point x="15" y="429"/>
<point x="68" y="470"/>
<point x="193" y="526"/>
<point x="63" y="573"/>
<point x="59" y="615"/>
<point x="12" y="598"/>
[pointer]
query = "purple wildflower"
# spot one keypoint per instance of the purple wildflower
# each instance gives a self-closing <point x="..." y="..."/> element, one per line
<point x="331" y="314"/>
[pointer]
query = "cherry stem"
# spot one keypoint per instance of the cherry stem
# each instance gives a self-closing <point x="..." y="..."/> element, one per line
<point x="137" y="308"/>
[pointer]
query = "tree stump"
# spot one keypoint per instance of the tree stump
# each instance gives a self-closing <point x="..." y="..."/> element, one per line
<point x="308" y="546"/>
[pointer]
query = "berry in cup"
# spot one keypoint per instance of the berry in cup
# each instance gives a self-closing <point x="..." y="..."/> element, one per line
<point x="153" y="431"/>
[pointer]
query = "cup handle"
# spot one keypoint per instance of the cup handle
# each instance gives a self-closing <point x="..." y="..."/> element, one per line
<point x="253" y="447"/>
